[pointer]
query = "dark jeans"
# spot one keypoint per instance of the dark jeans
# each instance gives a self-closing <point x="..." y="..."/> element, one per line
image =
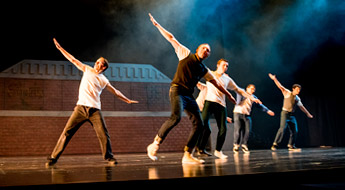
<point x="287" y="119"/>
<point x="220" y="114"/>
<point x="80" y="115"/>
<point x="242" y="126"/>
<point x="179" y="101"/>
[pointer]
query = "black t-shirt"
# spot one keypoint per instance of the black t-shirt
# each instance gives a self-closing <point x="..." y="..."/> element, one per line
<point x="189" y="71"/>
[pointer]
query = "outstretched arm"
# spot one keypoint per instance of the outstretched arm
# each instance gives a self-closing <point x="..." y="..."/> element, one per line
<point x="70" y="58"/>
<point x="222" y="89"/>
<point x="166" y="34"/>
<point x="305" y="111"/>
<point x="245" y="94"/>
<point x="117" y="93"/>
<point x="280" y="86"/>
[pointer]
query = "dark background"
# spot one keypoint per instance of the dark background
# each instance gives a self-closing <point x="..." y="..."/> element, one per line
<point x="300" y="41"/>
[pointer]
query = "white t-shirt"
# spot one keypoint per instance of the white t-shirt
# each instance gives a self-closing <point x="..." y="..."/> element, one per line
<point x="90" y="88"/>
<point x="215" y="95"/>
<point x="200" y="100"/>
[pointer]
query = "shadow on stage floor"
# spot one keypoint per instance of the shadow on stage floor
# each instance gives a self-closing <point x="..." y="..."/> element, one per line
<point x="308" y="169"/>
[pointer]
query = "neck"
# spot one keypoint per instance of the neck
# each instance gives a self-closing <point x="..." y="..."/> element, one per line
<point x="219" y="73"/>
<point x="97" y="71"/>
<point x="197" y="56"/>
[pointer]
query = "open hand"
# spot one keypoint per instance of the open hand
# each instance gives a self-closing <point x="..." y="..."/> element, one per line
<point x="272" y="76"/>
<point x="132" y="102"/>
<point x="56" y="44"/>
<point x="153" y="20"/>
<point x="270" y="113"/>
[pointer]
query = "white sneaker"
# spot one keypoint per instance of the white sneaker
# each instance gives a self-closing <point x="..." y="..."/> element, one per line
<point x="245" y="149"/>
<point x="152" y="151"/>
<point x="220" y="154"/>
<point x="188" y="158"/>
<point x="235" y="148"/>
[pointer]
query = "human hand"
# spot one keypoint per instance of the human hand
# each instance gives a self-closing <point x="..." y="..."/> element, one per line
<point x="272" y="76"/>
<point x="153" y="20"/>
<point x="270" y="113"/>
<point x="57" y="44"/>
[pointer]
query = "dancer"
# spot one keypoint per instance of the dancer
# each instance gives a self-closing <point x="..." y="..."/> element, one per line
<point x="243" y="120"/>
<point x="189" y="71"/>
<point x="88" y="107"/>
<point x="215" y="104"/>
<point x="287" y="117"/>
<point x="200" y="100"/>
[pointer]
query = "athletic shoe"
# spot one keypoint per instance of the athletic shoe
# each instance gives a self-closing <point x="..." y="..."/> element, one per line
<point x="112" y="161"/>
<point x="220" y="154"/>
<point x="189" y="159"/>
<point x="203" y="153"/>
<point x="152" y="151"/>
<point x="293" y="148"/>
<point x="245" y="149"/>
<point x="236" y="148"/>
<point x="51" y="161"/>
<point x="274" y="147"/>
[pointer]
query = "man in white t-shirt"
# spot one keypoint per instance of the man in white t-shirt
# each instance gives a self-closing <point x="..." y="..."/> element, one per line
<point x="215" y="104"/>
<point x="88" y="107"/>
<point x="243" y="120"/>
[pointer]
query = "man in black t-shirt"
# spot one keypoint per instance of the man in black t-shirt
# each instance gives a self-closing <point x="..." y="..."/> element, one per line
<point x="189" y="71"/>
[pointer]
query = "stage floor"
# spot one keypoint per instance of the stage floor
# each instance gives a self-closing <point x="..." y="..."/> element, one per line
<point x="311" y="167"/>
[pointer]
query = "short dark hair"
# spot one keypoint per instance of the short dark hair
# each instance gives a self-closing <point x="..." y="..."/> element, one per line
<point x="296" y="86"/>
<point x="220" y="60"/>
<point x="249" y="85"/>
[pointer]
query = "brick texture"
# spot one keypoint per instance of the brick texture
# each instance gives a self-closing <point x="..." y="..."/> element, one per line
<point x="26" y="136"/>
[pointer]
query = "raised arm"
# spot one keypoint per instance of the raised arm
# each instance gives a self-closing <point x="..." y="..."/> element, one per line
<point x="166" y="34"/>
<point x="117" y="93"/>
<point x="69" y="57"/>
<point x="280" y="86"/>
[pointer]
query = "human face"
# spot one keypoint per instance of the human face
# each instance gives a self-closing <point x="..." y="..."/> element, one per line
<point x="296" y="91"/>
<point x="203" y="51"/>
<point x="250" y="90"/>
<point x="222" y="67"/>
<point x="100" y="65"/>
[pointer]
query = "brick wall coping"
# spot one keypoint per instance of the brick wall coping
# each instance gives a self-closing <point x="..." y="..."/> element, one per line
<point x="64" y="70"/>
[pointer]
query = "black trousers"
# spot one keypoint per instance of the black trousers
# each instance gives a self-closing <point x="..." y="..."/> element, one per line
<point x="187" y="103"/>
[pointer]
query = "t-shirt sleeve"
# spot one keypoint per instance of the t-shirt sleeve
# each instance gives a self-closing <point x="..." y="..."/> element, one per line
<point x="208" y="76"/>
<point x="231" y="84"/>
<point x="104" y="81"/>
<point x="182" y="52"/>
<point x="299" y="102"/>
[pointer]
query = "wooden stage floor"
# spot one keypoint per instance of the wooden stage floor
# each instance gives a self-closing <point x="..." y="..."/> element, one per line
<point x="308" y="169"/>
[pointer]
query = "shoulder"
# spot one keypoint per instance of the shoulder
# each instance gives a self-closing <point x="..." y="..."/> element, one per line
<point x="182" y="52"/>
<point x="286" y="93"/>
<point x="298" y="98"/>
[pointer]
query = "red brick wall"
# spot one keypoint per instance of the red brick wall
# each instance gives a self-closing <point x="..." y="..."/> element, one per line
<point x="24" y="135"/>
<point x="62" y="95"/>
